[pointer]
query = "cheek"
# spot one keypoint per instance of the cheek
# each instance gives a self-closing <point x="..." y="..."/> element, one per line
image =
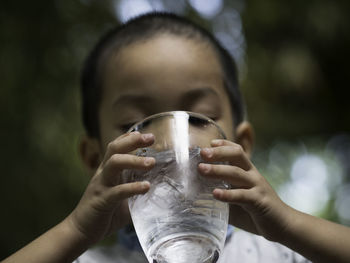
<point x="108" y="132"/>
<point x="226" y="122"/>
<point x="108" y="135"/>
<point x="229" y="132"/>
<point x="227" y="126"/>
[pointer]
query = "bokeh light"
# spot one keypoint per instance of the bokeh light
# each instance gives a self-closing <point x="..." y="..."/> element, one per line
<point x="207" y="8"/>
<point x="125" y="9"/>
<point x="128" y="9"/>
<point x="307" y="188"/>
<point x="227" y="29"/>
<point x="307" y="175"/>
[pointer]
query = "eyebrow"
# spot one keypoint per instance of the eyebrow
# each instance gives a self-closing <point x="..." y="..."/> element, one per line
<point x="189" y="96"/>
<point x="201" y="91"/>
<point x="127" y="98"/>
<point x="198" y="93"/>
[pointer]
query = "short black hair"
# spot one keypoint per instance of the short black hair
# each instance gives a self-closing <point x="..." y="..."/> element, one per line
<point x="142" y="28"/>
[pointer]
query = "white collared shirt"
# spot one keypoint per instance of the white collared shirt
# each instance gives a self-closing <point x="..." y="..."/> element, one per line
<point x="242" y="247"/>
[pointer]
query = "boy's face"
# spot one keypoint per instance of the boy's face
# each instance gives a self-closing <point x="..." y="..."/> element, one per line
<point x="165" y="73"/>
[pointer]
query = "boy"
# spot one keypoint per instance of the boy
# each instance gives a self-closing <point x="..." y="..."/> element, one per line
<point x="157" y="63"/>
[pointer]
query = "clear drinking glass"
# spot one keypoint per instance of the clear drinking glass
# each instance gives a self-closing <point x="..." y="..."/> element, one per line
<point x="178" y="220"/>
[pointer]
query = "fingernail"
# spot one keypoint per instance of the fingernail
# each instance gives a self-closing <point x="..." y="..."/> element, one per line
<point x="205" y="167"/>
<point x="218" y="192"/>
<point x="217" y="142"/>
<point x="208" y="152"/>
<point x="145" y="184"/>
<point x="147" y="137"/>
<point x="148" y="161"/>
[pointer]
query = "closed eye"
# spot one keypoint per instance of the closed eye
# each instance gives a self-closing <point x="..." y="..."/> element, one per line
<point x="126" y="127"/>
<point x="197" y="121"/>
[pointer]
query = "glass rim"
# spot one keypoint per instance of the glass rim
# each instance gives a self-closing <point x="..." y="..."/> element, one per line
<point x="172" y="113"/>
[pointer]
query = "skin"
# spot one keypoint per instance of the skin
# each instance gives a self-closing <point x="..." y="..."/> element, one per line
<point x="147" y="84"/>
<point x="169" y="73"/>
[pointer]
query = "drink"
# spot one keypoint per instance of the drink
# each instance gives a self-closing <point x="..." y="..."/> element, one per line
<point x="178" y="220"/>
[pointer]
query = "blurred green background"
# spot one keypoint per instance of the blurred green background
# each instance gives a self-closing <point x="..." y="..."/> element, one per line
<point x="293" y="59"/>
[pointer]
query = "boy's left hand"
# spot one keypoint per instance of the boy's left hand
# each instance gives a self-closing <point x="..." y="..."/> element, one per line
<point x="254" y="205"/>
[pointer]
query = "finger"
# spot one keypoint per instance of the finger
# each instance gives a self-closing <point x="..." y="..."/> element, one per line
<point x="235" y="196"/>
<point x="128" y="143"/>
<point x="118" y="162"/>
<point x="123" y="191"/>
<point x="234" y="154"/>
<point x="222" y="142"/>
<point x="233" y="175"/>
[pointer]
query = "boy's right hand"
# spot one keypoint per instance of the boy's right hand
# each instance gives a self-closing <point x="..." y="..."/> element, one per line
<point x="103" y="207"/>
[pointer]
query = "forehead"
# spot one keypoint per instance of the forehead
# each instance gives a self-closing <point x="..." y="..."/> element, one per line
<point x="165" y="73"/>
<point x="164" y="64"/>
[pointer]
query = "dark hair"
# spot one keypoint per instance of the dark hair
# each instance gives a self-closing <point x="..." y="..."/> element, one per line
<point x="142" y="28"/>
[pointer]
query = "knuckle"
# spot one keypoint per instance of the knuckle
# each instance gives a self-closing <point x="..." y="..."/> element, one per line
<point x="97" y="192"/>
<point x="114" y="159"/>
<point x="262" y="193"/>
<point x="112" y="146"/>
<point x="214" y="169"/>
<point x="258" y="179"/>
<point x="134" y="160"/>
<point x="259" y="194"/>
<point x="235" y="170"/>
<point x="116" y="162"/>
<point x="261" y="200"/>
<point x="238" y="149"/>
<point x="119" y="192"/>
<point x="264" y="201"/>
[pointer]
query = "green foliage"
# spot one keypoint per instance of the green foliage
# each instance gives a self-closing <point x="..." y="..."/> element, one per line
<point x="293" y="81"/>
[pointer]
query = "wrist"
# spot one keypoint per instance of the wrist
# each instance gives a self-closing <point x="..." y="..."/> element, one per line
<point x="291" y="223"/>
<point x="76" y="235"/>
<point x="287" y="222"/>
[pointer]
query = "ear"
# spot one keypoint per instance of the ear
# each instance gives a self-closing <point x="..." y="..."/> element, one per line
<point x="90" y="153"/>
<point x="245" y="136"/>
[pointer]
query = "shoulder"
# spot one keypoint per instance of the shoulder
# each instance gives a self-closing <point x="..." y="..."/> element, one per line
<point x="250" y="248"/>
<point x="111" y="254"/>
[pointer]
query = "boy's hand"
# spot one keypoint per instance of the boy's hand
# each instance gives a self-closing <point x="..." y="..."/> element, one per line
<point x="255" y="206"/>
<point x="103" y="207"/>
